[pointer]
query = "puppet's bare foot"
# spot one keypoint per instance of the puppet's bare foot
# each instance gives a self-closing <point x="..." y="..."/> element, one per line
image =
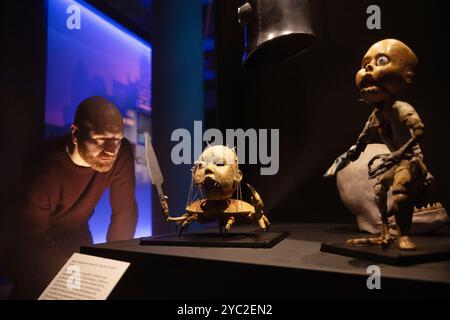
<point x="384" y="240"/>
<point x="230" y="222"/>
<point x="405" y="243"/>
<point x="258" y="215"/>
<point x="264" y="223"/>
<point x="187" y="222"/>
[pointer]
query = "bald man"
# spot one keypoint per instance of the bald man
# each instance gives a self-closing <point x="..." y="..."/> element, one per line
<point x="70" y="181"/>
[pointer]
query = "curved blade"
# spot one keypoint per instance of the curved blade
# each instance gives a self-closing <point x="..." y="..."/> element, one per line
<point x="152" y="163"/>
<point x="156" y="175"/>
<point x="340" y="163"/>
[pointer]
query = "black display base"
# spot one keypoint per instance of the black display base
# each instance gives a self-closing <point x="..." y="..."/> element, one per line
<point x="228" y="239"/>
<point x="429" y="249"/>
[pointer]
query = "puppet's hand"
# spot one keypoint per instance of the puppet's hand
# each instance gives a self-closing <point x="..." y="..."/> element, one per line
<point x="395" y="156"/>
<point x="355" y="150"/>
<point x="353" y="153"/>
<point x="386" y="161"/>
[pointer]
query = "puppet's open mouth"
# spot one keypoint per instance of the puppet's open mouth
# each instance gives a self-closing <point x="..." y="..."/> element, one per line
<point x="369" y="86"/>
<point x="372" y="90"/>
<point x="209" y="183"/>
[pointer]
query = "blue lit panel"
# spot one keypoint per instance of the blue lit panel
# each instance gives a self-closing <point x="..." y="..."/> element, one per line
<point x="93" y="55"/>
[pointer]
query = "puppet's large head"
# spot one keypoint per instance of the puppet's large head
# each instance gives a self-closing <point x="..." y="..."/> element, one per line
<point x="217" y="173"/>
<point x="387" y="68"/>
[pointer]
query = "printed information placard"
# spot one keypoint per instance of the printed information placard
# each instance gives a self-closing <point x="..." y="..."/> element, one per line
<point x="85" y="277"/>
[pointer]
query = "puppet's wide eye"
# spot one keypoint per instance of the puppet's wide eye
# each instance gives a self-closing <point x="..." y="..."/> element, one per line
<point x="382" y="61"/>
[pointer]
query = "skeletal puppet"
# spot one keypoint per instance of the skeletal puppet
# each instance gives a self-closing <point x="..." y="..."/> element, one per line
<point x="216" y="176"/>
<point x="387" y="69"/>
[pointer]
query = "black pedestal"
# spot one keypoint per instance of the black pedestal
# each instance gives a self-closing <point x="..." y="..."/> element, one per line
<point x="429" y="249"/>
<point x="293" y="269"/>
<point x="228" y="239"/>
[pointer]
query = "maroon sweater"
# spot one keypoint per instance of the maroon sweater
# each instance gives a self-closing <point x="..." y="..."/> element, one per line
<point x="62" y="196"/>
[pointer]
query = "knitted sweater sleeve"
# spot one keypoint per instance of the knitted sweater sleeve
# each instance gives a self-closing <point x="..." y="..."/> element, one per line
<point x="123" y="203"/>
<point x="39" y="204"/>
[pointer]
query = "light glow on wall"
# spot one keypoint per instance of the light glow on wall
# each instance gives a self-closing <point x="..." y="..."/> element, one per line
<point x="90" y="54"/>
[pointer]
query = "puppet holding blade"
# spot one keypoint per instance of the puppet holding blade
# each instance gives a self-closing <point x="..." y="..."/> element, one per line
<point x="216" y="177"/>
<point x="387" y="69"/>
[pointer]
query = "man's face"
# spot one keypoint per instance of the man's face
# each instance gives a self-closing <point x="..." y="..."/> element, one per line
<point x="99" y="149"/>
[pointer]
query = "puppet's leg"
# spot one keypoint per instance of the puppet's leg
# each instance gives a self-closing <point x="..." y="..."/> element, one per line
<point x="409" y="176"/>
<point x="187" y="222"/>
<point x="381" y="189"/>
<point x="258" y="213"/>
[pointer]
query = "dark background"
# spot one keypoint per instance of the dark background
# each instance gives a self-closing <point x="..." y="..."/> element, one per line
<point x="311" y="98"/>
